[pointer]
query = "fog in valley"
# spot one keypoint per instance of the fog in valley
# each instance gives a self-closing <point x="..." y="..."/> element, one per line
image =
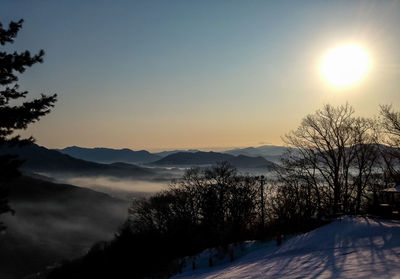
<point x="126" y="189"/>
<point x="54" y="222"/>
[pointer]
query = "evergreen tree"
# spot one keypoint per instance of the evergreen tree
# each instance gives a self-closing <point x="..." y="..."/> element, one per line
<point x="15" y="112"/>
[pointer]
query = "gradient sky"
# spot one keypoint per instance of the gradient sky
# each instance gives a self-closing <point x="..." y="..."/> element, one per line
<point x="197" y="74"/>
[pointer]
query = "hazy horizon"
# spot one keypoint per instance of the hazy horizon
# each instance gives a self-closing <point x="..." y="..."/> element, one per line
<point x="160" y="149"/>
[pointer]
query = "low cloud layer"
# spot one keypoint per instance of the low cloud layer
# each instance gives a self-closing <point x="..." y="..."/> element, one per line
<point x="126" y="189"/>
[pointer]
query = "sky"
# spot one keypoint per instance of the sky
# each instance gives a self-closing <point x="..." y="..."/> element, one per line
<point x="204" y="74"/>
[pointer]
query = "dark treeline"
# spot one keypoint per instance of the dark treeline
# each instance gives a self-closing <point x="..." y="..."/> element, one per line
<point x="205" y="208"/>
<point x="337" y="164"/>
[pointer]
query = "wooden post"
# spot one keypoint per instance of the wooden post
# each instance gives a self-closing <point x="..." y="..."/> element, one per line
<point x="262" y="181"/>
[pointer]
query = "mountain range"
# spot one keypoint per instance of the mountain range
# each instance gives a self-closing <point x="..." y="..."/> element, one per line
<point x="209" y="158"/>
<point x="163" y="154"/>
<point x="39" y="159"/>
<point x="270" y="152"/>
<point x="109" y="155"/>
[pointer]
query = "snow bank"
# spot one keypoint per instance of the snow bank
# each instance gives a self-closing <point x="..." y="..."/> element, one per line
<point x="348" y="248"/>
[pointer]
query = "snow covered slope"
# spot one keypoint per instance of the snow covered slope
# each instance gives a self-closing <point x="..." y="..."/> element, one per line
<point x="347" y="248"/>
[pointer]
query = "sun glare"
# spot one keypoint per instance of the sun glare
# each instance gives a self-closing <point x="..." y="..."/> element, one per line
<point x="345" y="65"/>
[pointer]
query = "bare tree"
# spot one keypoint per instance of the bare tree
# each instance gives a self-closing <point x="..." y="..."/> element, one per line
<point x="390" y="123"/>
<point x="366" y="156"/>
<point x="334" y="157"/>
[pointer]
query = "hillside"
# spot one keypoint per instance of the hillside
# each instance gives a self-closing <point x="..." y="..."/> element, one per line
<point x="347" y="248"/>
<point x="163" y="154"/>
<point x="54" y="222"/>
<point x="272" y="153"/>
<point x="264" y="150"/>
<point x="108" y="155"/>
<point x="42" y="160"/>
<point x="209" y="158"/>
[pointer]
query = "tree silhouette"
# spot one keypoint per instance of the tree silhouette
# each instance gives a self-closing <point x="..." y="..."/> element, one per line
<point x="15" y="112"/>
<point x="335" y="155"/>
<point x="390" y="123"/>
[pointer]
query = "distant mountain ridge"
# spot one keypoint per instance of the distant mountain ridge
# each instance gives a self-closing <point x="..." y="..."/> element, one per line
<point x="264" y="150"/>
<point x="42" y="160"/>
<point x="209" y="158"/>
<point x="109" y="155"/>
<point x="270" y="152"/>
<point x="163" y="154"/>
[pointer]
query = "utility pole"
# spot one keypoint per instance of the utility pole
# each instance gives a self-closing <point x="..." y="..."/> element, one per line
<point x="262" y="181"/>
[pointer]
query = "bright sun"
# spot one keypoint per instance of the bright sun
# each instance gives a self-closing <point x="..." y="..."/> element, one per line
<point x="345" y="65"/>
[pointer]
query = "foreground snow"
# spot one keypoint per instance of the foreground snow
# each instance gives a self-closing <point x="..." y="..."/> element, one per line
<point x="347" y="248"/>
